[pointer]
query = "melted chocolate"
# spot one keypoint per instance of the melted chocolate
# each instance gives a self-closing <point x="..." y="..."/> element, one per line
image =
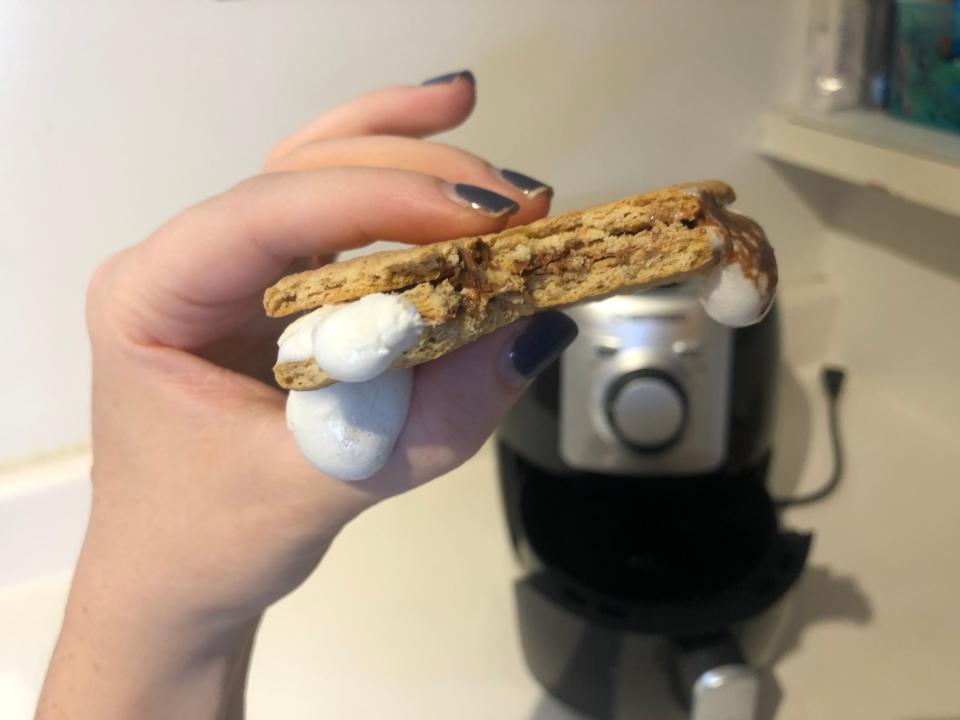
<point x="744" y="243"/>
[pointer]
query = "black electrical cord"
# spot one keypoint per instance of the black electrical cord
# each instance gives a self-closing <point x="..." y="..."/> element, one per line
<point x="832" y="379"/>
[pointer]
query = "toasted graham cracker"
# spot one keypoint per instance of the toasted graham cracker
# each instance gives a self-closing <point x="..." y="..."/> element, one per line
<point x="466" y="288"/>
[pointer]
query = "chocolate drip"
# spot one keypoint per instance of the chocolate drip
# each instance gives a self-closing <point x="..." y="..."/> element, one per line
<point x="744" y="243"/>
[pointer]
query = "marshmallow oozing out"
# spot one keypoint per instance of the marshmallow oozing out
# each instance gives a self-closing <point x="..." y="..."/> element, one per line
<point x="348" y="430"/>
<point x="361" y="340"/>
<point x="296" y="342"/>
<point x="739" y="289"/>
<point x="731" y="298"/>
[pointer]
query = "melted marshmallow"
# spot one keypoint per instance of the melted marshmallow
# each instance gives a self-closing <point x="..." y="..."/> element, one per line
<point x="739" y="290"/>
<point x="348" y="429"/>
<point x="731" y="298"/>
<point x="296" y="342"/>
<point x="358" y="341"/>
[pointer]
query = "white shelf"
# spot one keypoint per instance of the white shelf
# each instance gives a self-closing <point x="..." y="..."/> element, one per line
<point x="872" y="149"/>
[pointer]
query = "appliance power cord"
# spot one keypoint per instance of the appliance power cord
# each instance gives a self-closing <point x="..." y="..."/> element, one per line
<point x="832" y="380"/>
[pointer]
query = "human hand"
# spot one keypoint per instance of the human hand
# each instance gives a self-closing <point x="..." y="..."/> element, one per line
<point x="204" y="511"/>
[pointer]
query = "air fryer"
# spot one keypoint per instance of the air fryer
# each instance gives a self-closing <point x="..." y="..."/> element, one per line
<point x="676" y="538"/>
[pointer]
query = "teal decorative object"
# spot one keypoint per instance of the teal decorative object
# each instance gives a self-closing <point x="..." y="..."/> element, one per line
<point x="925" y="84"/>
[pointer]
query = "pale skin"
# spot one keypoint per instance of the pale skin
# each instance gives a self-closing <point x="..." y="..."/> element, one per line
<point x="204" y="512"/>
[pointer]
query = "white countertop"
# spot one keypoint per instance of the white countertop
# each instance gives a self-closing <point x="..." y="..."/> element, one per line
<point x="411" y="614"/>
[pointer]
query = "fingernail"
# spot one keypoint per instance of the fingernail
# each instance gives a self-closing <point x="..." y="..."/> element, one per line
<point x="480" y="199"/>
<point x="524" y="183"/>
<point x="545" y="337"/>
<point x="450" y="78"/>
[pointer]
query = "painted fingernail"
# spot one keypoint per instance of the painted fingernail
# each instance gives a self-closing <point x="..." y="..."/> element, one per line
<point x="480" y="199"/>
<point x="524" y="183"/>
<point x="450" y="78"/>
<point x="541" y="342"/>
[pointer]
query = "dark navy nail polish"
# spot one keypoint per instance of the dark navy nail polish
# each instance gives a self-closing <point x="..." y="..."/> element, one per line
<point x="480" y="199"/>
<point x="451" y="78"/>
<point x="524" y="183"/>
<point x="545" y="337"/>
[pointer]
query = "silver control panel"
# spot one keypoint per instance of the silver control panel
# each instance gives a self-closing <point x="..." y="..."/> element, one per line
<point x="645" y="386"/>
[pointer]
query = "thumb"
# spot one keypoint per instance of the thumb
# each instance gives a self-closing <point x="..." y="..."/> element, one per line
<point x="459" y="399"/>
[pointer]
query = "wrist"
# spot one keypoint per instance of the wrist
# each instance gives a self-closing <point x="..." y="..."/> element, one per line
<point x="138" y="609"/>
<point x="169" y="668"/>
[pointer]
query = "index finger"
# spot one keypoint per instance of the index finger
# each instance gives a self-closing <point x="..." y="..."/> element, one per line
<point x="199" y="277"/>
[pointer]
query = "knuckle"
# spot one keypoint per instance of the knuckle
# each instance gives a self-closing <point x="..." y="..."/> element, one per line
<point x="99" y="289"/>
<point x="273" y="160"/>
<point x="276" y="155"/>
<point x="241" y="194"/>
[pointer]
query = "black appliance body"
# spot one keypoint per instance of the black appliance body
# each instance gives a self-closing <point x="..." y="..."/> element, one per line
<point x="633" y="474"/>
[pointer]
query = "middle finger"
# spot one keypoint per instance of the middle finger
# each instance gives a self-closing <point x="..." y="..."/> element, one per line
<point x="444" y="161"/>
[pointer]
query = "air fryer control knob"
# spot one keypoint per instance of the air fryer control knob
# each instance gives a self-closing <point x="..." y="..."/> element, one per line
<point x="647" y="410"/>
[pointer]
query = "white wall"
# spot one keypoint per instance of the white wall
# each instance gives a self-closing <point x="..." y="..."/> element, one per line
<point x="899" y="268"/>
<point x="114" y="114"/>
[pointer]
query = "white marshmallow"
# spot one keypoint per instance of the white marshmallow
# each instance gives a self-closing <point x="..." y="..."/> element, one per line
<point x="348" y="430"/>
<point x="733" y="299"/>
<point x="296" y="342"/>
<point x="360" y="340"/>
